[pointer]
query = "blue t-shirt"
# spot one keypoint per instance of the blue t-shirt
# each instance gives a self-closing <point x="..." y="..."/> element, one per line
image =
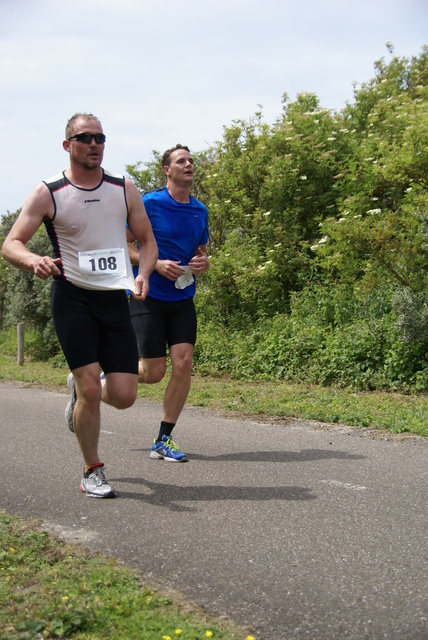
<point x="178" y="229"/>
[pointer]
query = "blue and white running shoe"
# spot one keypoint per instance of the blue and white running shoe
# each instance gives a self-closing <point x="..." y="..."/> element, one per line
<point x="167" y="450"/>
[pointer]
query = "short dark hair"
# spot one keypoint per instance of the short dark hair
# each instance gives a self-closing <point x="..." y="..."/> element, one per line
<point x="167" y="154"/>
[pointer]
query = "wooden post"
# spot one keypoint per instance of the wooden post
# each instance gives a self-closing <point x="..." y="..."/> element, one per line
<point x="20" y="333"/>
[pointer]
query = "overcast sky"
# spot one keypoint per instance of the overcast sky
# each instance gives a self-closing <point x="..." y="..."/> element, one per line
<point x="160" y="72"/>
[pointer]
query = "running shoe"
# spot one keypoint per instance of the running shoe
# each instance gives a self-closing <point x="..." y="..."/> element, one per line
<point x="95" y="485"/>
<point x="167" y="450"/>
<point x="69" y="409"/>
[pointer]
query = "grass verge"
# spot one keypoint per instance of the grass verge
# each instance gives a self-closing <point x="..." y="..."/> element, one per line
<point x="390" y="412"/>
<point x="50" y="589"/>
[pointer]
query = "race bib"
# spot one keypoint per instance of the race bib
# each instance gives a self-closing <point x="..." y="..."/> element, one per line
<point x="109" y="263"/>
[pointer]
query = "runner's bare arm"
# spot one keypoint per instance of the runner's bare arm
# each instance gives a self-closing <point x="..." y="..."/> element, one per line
<point x="133" y="250"/>
<point x="37" y="207"/>
<point x="141" y="229"/>
<point x="200" y="262"/>
<point x="170" y="269"/>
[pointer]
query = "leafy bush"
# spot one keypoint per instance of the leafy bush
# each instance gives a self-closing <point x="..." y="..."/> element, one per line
<point x="331" y="336"/>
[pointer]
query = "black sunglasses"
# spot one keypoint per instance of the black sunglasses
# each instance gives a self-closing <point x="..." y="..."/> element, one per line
<point x="86" y="138"/>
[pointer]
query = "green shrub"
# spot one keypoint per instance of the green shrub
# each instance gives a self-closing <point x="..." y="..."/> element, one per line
<point x="332" y="336"/>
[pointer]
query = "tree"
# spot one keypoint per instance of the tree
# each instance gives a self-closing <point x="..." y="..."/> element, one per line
<point x="380" y="230"/>
<point x="6" y="223"/>
<point x="27" y="298"/>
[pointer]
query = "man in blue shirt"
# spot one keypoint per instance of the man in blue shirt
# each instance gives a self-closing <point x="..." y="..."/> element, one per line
<point x="167" y="317"/>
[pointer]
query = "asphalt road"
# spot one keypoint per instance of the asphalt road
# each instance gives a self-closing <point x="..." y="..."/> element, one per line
<point x="295" y="531"/>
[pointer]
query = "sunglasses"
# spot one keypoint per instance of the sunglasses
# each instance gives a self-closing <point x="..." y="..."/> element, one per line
<point x="86" y="138"/>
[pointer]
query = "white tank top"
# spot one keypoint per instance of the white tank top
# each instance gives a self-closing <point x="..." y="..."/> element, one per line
<point x="88" y="232"/>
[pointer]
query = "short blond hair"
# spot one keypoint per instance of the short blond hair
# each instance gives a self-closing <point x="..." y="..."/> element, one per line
<point x="69" y="128"/>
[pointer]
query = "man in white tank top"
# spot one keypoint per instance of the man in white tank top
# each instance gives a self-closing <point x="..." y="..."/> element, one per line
<point x="85" y="210"/>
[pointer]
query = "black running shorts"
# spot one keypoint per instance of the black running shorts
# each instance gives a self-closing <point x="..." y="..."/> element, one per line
<point x="157" y="324"/>
<point x="94" y="326"/>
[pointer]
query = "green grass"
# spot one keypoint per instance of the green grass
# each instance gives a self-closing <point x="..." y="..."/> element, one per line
<point x="390" y="412"/>
<point x="50" y="589"/>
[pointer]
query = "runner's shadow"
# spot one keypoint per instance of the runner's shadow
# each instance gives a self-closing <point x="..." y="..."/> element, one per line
<point x="305" y="455"/>
<point x="172" y="497"/>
